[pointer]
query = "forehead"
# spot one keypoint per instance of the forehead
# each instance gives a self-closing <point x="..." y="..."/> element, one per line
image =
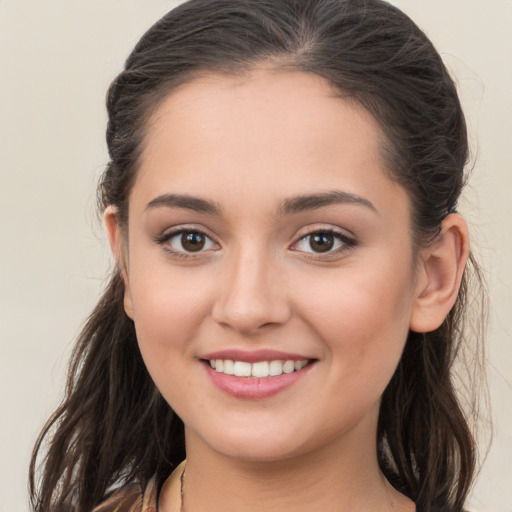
<point x="261" y="102"/>
<point x="285" y="130"/>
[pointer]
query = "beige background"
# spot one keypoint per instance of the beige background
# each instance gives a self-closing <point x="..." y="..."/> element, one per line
<point x="56" y="60"/>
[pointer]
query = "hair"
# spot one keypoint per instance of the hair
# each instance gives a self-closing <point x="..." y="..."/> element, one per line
<point x="113" y="425"/>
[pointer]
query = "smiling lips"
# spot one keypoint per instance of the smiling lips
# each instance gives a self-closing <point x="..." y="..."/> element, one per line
<point x="260" y="369"/>
<point x="255" y="375"/>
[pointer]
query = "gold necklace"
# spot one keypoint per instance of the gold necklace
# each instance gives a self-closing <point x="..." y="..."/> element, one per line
<point x="182" y="487"/>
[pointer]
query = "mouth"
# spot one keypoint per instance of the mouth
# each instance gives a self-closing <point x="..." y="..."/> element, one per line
<point x="256" y="374"/>
<point x="259" y="369"/>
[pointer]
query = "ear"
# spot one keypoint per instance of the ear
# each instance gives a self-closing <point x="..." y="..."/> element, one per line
<point x="117" y="247"/>
<point x="441" y="266"/>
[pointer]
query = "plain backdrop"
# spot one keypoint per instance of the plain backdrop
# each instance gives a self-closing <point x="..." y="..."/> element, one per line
<point x="57" y="58"/>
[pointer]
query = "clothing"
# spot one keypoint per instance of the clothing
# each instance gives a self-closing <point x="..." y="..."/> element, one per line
<point x="132" y="498"/>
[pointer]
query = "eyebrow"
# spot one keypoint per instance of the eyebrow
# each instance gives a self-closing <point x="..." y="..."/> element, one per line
<point x="185" y="201"/>
<point x="314" y="201"/>
<point x="289" y="206"/>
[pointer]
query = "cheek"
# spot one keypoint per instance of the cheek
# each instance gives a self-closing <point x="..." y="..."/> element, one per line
<point x="168" y="309"/>
<point x="364" y="314"/>
<point x="168" y="313"/>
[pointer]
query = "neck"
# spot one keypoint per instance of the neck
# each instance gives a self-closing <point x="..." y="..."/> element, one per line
<point x="319" y="480"/>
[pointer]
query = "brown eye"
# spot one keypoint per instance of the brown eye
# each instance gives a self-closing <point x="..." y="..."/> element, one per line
<point x="324" y="242"/>
<point x="187" y="241"/>
<point x="192" y="241"/>
<point x="321" y="242"/>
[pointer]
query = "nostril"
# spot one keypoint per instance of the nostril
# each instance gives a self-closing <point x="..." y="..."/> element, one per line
<point x="248" y="318"/>
<point x="250" y="294"/>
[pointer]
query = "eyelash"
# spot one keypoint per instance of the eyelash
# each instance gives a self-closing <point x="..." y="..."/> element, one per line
<point x="183" y="253"/>
<point x="345" y="243"/>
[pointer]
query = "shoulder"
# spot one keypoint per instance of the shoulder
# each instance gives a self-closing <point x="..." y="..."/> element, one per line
<point x="438" y="509"/>
<point x="131" y="498"/>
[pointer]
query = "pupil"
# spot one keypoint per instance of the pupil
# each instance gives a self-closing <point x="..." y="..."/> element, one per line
<point x="322" y="242"/>
<point x="192" y="242"/>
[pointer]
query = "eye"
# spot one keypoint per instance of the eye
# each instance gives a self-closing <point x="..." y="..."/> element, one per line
<point x="187" y="241"/>
<point x="323" y="241"/>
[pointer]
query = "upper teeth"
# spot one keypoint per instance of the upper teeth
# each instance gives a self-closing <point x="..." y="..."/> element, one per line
<point x="259" y="369"/>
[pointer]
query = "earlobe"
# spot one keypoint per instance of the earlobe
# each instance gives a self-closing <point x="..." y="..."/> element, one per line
<point x="116" y="246"/>
<point x="440" y="272"/>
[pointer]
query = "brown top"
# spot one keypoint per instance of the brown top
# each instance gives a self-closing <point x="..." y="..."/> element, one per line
<point x="131" y="498"/>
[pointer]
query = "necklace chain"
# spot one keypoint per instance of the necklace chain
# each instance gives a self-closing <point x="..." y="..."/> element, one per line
<point x="182" y="487"/>
<point x="182" y="492"/>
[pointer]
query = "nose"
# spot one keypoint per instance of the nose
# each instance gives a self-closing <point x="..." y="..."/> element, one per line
<point x="251" y="294"/>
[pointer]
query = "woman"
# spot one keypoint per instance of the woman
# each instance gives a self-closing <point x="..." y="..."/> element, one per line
<point x="290" y="286"/>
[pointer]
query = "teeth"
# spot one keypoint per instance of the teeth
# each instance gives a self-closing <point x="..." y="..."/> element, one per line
<point x="288" y="366"/>
<point x="261" y="369"/>
<point x="242" y="369"/>
<point x="275" y="368"/>
<point x="229" y="367"/>
<point x="300" y="364"/>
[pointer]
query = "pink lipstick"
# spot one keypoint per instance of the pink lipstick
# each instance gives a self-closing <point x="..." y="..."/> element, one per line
<point x="256" y="374"/>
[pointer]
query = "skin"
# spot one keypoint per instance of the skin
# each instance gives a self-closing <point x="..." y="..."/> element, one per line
<point x="247" y="145"/>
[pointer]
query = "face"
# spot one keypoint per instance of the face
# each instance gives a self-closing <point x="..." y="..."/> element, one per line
<point x="266" y="239"/>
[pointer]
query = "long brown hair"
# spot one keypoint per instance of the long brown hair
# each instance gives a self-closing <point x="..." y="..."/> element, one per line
<point x="113" y="426"/>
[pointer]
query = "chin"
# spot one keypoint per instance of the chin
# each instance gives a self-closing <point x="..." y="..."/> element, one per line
<point x="261" y="445"/>
<point x="270" y="452"/>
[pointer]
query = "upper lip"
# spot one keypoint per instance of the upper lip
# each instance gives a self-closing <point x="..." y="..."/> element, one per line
<point x="255" y="356"/>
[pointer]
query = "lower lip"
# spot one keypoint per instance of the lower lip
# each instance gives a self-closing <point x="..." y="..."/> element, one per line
<point x="255" y="388"/>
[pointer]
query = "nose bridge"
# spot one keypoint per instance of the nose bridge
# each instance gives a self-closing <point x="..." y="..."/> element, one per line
<point x="251" y="295"/>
